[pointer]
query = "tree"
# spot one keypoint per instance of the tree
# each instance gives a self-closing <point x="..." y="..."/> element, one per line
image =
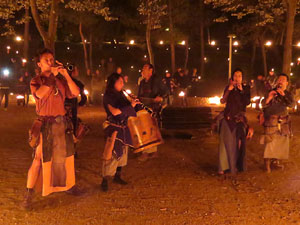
<point x="291" y="6"/>
<point x="39" y="7"/>
<point x="8" y="11"/>
<point x="151" y="11"/>
<point x="178" y="22"/>
<point x="202" y="44"/>
<point x="172" y="40"/>
<point x="87" y="13"/>
<point x="266" y="11"/>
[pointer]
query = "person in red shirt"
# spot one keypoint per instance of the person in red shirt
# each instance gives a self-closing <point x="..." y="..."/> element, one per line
<point x="52" y="169"/>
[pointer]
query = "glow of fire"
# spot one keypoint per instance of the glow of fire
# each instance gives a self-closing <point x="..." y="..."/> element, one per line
<point x="214" y="100"/>
<point x="20" y="97"/>
<point x="181" y="94"/>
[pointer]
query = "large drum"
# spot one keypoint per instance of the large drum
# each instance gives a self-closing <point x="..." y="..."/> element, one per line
<point x="144" y="131"/>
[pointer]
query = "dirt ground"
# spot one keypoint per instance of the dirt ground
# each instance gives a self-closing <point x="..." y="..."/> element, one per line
<point x="179" y="187"/>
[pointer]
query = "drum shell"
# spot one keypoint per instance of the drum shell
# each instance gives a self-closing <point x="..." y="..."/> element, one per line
<point x="144" y="131"/>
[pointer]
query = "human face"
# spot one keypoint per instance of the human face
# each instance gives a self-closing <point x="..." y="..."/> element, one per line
<point x="46" y="62"/>
<point x="282" y="82"/>
<point x="119" y="70"/>
<point x="119" y="84"/>
<point x="238" y="77"/>
<point x="168" y="74"/>
<point x="146" y="72"/>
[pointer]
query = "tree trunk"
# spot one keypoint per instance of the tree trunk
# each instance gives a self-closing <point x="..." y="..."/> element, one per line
<point x="253" y="57"/>
<point x="172" y="42"/>
<point x="53" y="20"/>
<point x="290" y="22"/>
<point x="264" y="56"/>
<point x="86" y="62"/>
<point x="186" y="55"/>
<point x="91" y="52"/>
<point x="37" y="20"/>
<point x="26" y="33"/>
<point x="48" y="37"/>
<point x="148" y="40"/>
<point x="202" y="44"/>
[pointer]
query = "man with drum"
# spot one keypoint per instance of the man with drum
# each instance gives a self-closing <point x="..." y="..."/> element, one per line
<point x="152" y="93"/>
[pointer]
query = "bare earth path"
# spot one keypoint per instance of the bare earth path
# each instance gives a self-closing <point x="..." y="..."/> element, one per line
<point x="179" y="187"/>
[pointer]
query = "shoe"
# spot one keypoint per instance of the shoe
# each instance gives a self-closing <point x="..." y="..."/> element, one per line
<point x="75" y="191"/>
<point x="119" y="180"/>
<point x="27" y="203"/>
<point x="144" y="157"/>
<point x="104" y="185"/>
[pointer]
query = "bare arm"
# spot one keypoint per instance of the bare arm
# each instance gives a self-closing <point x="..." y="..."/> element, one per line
<point x="73" y="87"/>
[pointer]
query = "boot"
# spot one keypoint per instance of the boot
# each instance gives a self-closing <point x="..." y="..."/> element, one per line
<point x="118" y="179"/>
<point x="104" y="185"/>
<point x="27" y="202"/>
<point x="75" y="191"/>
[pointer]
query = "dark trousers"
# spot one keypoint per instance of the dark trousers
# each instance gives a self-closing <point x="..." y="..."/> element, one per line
<point x="4" y="93"/>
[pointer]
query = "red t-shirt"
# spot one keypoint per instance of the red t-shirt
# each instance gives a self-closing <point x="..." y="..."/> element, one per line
<point x="52" y="104"/>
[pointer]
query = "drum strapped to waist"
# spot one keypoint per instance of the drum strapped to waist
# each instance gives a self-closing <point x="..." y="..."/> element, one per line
<point x="144" y="131"/>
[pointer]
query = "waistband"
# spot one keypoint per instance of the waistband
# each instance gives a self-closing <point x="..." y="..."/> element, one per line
<point x="52" y="119"/>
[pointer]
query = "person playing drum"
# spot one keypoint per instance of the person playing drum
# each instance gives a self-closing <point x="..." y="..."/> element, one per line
<point x="152" y="93"/>
<point x="118" y="109"/>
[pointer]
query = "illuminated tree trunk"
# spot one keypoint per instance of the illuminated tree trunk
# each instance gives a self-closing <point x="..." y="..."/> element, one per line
<point x="86" y="62"/>
<point x="148" y="40"/>
<point x="202" y="42"/>
<point x="49" y="36"/>
<point x="172" y="41"/>
<point x="253" y="57"/>
<point x="290" y="22"/>
<point x="26" y="33"/>
<point x="186" y="54"/>
<point x="264" y="56"/>
<point x="91" y="52"/>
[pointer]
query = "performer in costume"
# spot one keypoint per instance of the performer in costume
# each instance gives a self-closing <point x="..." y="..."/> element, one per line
<point x="233" y="127"/>
<point x="152" y="93"/>
<point x="51" y="136"/>
<point x="118" y="109"/>
<point x="72" y="104"/>
<point x="276" y="122"/>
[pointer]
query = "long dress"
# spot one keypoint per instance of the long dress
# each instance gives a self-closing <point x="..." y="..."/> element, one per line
<point x="233" y="128"/>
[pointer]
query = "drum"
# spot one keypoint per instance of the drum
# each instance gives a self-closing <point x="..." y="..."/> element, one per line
<point x="144" y="131"/>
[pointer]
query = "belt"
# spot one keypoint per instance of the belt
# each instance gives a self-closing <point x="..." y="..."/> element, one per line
<point x="53" y="119"/>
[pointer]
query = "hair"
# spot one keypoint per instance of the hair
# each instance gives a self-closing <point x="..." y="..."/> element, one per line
<point x="284" y="75"/>
<point x="150" y="66"/>
<point x="41" y="52"/>
<point x="111" y="80"/>
<point x="236" y="70"/>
